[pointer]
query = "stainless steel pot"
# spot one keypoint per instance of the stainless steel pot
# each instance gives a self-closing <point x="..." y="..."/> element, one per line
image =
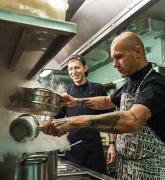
<point x="51" y="165"/>
<point x="37" y="101"/>
<point x="45" y="96"/>
<point x="26" y="127"/>
<point x="41" y="95"/>
<point x="36" y="166"/>
<point x="32" y="167"/>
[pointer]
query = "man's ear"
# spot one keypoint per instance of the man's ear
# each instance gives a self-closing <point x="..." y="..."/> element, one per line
<point x="86" y="68"/>
<point x="139" y="51"/>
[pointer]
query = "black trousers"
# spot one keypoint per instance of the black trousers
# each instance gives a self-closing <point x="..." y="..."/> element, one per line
<point x="88" y="156"/>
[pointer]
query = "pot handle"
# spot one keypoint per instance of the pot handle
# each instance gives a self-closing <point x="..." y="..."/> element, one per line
<point x="58" y="122"/>
<point x="33" y="159"/>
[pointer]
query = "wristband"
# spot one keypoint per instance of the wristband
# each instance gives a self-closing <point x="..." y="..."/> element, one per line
<point x="78" y="102"/>
<point x="112" y="142"/>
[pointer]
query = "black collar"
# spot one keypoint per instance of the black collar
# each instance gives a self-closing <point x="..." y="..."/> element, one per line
<point x="139" y="75"/>
<point x="83" y="85"/>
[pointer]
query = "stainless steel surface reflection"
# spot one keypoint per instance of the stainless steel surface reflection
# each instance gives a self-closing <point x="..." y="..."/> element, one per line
<point x="79" y="177"/>
<point x="67" y="170"/>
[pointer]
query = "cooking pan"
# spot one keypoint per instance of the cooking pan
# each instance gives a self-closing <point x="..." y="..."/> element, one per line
<point x="26" y="127"/>
<point x="38" y="101"/>
<point x="28" y="167"/>
<point x="45" y="96"/>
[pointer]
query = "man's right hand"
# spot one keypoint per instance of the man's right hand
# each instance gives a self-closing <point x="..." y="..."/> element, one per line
<point x="51" y="128"/>
<point x="68" y="100"/>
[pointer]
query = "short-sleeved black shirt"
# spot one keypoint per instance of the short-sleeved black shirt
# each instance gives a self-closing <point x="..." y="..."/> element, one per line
<point x="89" y="89"/>
<point x="89" y="153"/>
<point x="152" y="95"/>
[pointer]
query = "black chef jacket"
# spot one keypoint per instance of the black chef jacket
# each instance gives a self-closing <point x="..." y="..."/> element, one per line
<point x="90" y="152"/>
<point x="152" y="95"/>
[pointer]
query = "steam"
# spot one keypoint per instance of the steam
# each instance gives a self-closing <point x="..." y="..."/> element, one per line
<point x="9" y="83"/>
<point x="52" y="83"/>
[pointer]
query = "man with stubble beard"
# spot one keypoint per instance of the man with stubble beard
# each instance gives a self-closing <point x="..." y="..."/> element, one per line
<point x="140" y="122"/>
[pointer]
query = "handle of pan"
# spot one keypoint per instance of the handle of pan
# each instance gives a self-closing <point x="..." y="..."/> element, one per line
<point x="58" y="122"/>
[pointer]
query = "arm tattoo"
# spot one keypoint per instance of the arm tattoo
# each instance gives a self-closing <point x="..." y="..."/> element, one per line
<point x="82" y="101"/>
<point x="96" y="105"/>
<point x="133" y="115"/>
<point x="106" y="122"/>
<point x="147" y="115"/>
<point x="105" y="101"/>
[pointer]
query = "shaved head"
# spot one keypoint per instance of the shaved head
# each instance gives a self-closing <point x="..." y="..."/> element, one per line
<point x="129" y="41"/>
<point x="128" y="53"/>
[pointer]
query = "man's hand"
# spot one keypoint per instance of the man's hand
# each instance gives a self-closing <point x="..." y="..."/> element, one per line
<point x="111" y="154"/>
<point x="68" y="100"/>
<point x="52" y="128"/>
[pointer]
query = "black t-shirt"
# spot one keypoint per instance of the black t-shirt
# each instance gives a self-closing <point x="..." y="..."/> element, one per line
<point x="86" y="90"/>
<point x="152" y="95"/>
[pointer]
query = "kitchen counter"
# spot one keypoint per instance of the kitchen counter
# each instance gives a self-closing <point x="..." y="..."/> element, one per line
<point x="70" y="171"/>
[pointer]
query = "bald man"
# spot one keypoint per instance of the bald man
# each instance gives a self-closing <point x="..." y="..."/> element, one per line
<point x="140" y="123"/>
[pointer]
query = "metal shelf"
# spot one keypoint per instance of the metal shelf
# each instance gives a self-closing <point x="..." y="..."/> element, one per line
<point x="29" y="42"/>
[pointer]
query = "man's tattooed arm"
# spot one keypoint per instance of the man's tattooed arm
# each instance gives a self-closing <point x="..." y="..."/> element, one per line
<point x="113" y="122"/>
<point x="101" y="102"/>
<point x="106" y="122"/>
<point x="121" y="122"/>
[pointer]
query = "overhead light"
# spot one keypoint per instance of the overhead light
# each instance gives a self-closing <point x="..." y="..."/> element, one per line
<point x="45" y="73"/>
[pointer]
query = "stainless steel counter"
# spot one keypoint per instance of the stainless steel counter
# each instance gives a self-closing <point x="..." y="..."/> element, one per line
<point x="71" y="171"/>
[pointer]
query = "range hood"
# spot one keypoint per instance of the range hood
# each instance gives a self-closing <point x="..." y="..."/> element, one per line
<point x="96" y="21"/>
<point x="28" y="43"/>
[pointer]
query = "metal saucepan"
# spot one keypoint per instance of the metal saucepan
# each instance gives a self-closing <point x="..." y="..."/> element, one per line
<point x="37" y="101"/>
<point x="38" y="166"/>
<point x="32" y="166"/>
<point x="26" y="128"/>
<point x="45" y="96"/>
<point x="41" y="96"/>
